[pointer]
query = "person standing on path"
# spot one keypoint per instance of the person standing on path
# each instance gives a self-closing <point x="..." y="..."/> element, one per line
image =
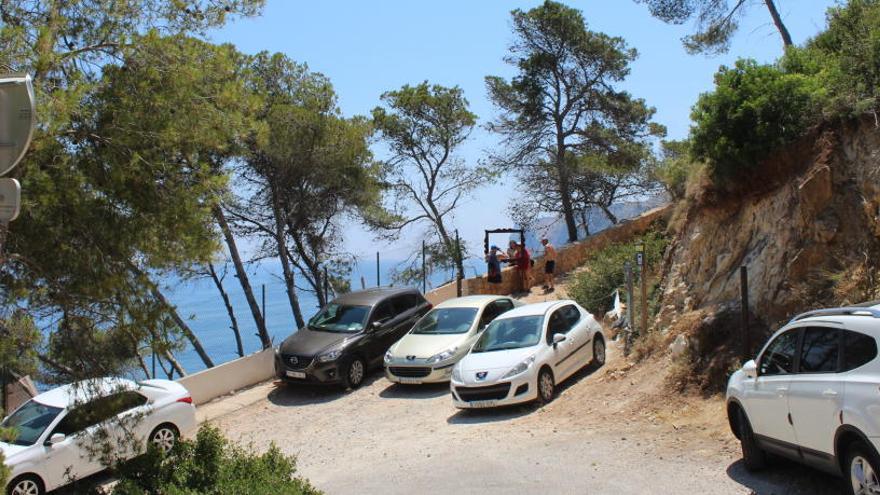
<point x="523" y="266"/>
<point x="549" y="265"/>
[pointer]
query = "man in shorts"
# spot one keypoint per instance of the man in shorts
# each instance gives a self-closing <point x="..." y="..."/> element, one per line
<point x="549" y="265"/>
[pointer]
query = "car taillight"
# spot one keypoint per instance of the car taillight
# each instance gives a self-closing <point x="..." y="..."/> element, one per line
<point x="186" y="400"/>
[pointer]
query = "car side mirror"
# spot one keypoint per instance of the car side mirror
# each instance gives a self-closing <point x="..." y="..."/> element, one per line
<point x="750" y="369"/>
<point x="56" y="438"/>
<point x="559" y="337"/>
<point x="377" y="325"/>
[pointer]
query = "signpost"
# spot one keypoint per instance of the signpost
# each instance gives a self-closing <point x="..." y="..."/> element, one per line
<point x="643" y="280"/>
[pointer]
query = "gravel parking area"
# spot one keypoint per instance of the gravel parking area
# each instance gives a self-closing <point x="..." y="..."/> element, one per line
<point x="599" y="436"/>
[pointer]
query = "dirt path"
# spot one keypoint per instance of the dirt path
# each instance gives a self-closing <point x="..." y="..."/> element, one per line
<point x="386" y="438"/>
<point x="610" y="431"/>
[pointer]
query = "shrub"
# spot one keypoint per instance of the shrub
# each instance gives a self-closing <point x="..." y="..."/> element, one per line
<point x="675" y="167"/>
<point x="754" y="110"/>
<point x="211" y="465"/>
<point x="594" y="287"/>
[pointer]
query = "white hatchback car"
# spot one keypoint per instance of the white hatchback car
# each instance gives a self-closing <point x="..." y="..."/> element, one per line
<point x="813" y="395"/>
<point x="55" y="430"/>
<point x="441" y="338"/>
<point x="525" y="352"/>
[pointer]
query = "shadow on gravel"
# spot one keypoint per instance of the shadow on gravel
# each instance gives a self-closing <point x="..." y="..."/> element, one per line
<point x="289" y="394"/>
<point x="783" y="477"/>
<point x="424" y="391"/>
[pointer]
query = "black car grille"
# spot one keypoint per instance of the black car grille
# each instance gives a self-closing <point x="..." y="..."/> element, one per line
<point x="296" y="362"/>
<point x="491" y="392"/>
<point x="409" y="371"/>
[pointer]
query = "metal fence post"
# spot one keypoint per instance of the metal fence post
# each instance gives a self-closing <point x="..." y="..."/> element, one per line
<point x="458" y="262"/>
<point x="378" y="277"/>
<point x="424" y="270"/>
<point x="744" y="294"/>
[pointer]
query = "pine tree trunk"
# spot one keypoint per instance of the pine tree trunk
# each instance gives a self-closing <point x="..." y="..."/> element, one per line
<point x="242" y="276"/>
<point x="229" y="309"/>
<point x="777" y="20"/>
<point x="281" y="246"/>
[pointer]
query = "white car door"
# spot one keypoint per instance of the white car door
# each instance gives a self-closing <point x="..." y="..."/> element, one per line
<point x="766" y="396"/>
<point x="565" y="358"/>
<point x="75" y="457"/>
<point x="816" y="391"/>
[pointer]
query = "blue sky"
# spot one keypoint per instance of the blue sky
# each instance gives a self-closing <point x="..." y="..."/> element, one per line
<point x="369" y="47"/>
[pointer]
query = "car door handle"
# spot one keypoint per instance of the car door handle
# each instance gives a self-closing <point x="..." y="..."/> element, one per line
<point x="829" y="393"/>
<point x="781" y="390"/>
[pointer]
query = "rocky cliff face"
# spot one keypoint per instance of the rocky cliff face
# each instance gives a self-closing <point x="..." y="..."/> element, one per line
<point x="808" y="233"/>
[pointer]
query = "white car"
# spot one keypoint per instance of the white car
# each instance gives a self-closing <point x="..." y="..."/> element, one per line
<point x="55" y="430"/>
<point x="525" y="352"/>
<point x="812" y="395"/>
<point x="441" y="338"/>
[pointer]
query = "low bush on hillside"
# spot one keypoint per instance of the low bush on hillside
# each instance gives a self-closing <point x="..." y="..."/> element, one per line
<point x="594" y="287"/>
<point x="756" y="109"/>
<point x="212" y="465"/>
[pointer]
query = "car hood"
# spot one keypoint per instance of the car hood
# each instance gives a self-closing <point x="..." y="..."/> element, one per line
<point x="11" y="450"/>
<point x="495" y="360"/>
<point x="307" y="342"/>
<point x="423" y="346"/>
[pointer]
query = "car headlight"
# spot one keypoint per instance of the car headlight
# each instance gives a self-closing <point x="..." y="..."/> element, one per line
<point x="443" y="356"/>
<point x="456" y="373"/>
<point x="330" y="356"/>
<point x="388" y="356"/>
<point x="520" y="368"/>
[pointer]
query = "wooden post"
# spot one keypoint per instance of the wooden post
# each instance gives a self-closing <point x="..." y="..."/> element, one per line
<point x="264" y="304"/>
<point x="744" y="294"/>
<point x="424" y="270"/>
<point x="627" y="267"/>
<point x="458" y="275"/>
<point x="378" y="277"/>
<point x="326" y="285"/>
<point x="363" y="283"/>
<point x="643" y="279"/>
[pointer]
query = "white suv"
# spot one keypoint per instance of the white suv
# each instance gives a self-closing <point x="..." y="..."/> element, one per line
<point x="813" y="395"/>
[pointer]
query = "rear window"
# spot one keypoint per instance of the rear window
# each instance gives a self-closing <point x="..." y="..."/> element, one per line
<point x="819" y="350"/>
<point x="858" y="350"/>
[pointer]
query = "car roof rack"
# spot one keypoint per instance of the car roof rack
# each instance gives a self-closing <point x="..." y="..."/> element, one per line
<point x="844" y="311"/>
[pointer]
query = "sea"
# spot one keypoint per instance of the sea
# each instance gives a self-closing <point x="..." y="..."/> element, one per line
<point x="199" y="302"/>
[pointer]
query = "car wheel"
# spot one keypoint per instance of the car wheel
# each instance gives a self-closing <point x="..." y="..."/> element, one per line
<point x="354" y="373"/>
<point x="546" y="386"/>
<point x="754" y="458"/>
<point x="27" y="484"/>
<point x="164" y="437"/>
<point x="864" y="469"/>
<point x="598" y="352"/>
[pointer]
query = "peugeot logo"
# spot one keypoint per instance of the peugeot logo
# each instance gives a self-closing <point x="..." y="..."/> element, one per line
<point x="293" y="360"/>
<point x="410" y="358"/>
<point x="481" y="375"/>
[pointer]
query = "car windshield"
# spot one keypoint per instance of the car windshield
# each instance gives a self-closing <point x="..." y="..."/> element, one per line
<point x="446" y="321"/>
<point x="29" y="421"/>
<point x="340" y="318"/>
<point x="510" y="333"/>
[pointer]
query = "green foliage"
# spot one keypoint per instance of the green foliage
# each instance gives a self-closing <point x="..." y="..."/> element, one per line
<point x="211" y="465"/>
<point x="845" y="58"/>
<point x="754" y="110"/>
<point x="675" y="167"/>
<point x="594" y="287"/>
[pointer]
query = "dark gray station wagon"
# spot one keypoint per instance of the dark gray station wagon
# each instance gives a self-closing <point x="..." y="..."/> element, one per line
<point x="349" y="336"/>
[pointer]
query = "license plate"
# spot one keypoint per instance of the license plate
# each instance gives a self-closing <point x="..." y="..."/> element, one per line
<point x="409" y="381"/>
<point x="480" y="404"/>
<point x="296" y="374"/>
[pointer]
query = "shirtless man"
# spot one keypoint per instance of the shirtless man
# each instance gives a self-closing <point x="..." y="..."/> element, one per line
<point x="549" y="265"/>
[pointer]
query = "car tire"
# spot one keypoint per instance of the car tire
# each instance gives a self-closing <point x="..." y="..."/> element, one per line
<point x="354" y="373"/>
<point x="26" y="484"/>
<point x="754" y="458"/>
<point x="598" y="352"/>
<point x="546" y="386"/>
<point x="164" y="437"/>
<point x="862" y="469"/>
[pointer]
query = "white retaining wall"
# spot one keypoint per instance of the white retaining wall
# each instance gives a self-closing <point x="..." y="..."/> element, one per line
<point x="226" y="378"/>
